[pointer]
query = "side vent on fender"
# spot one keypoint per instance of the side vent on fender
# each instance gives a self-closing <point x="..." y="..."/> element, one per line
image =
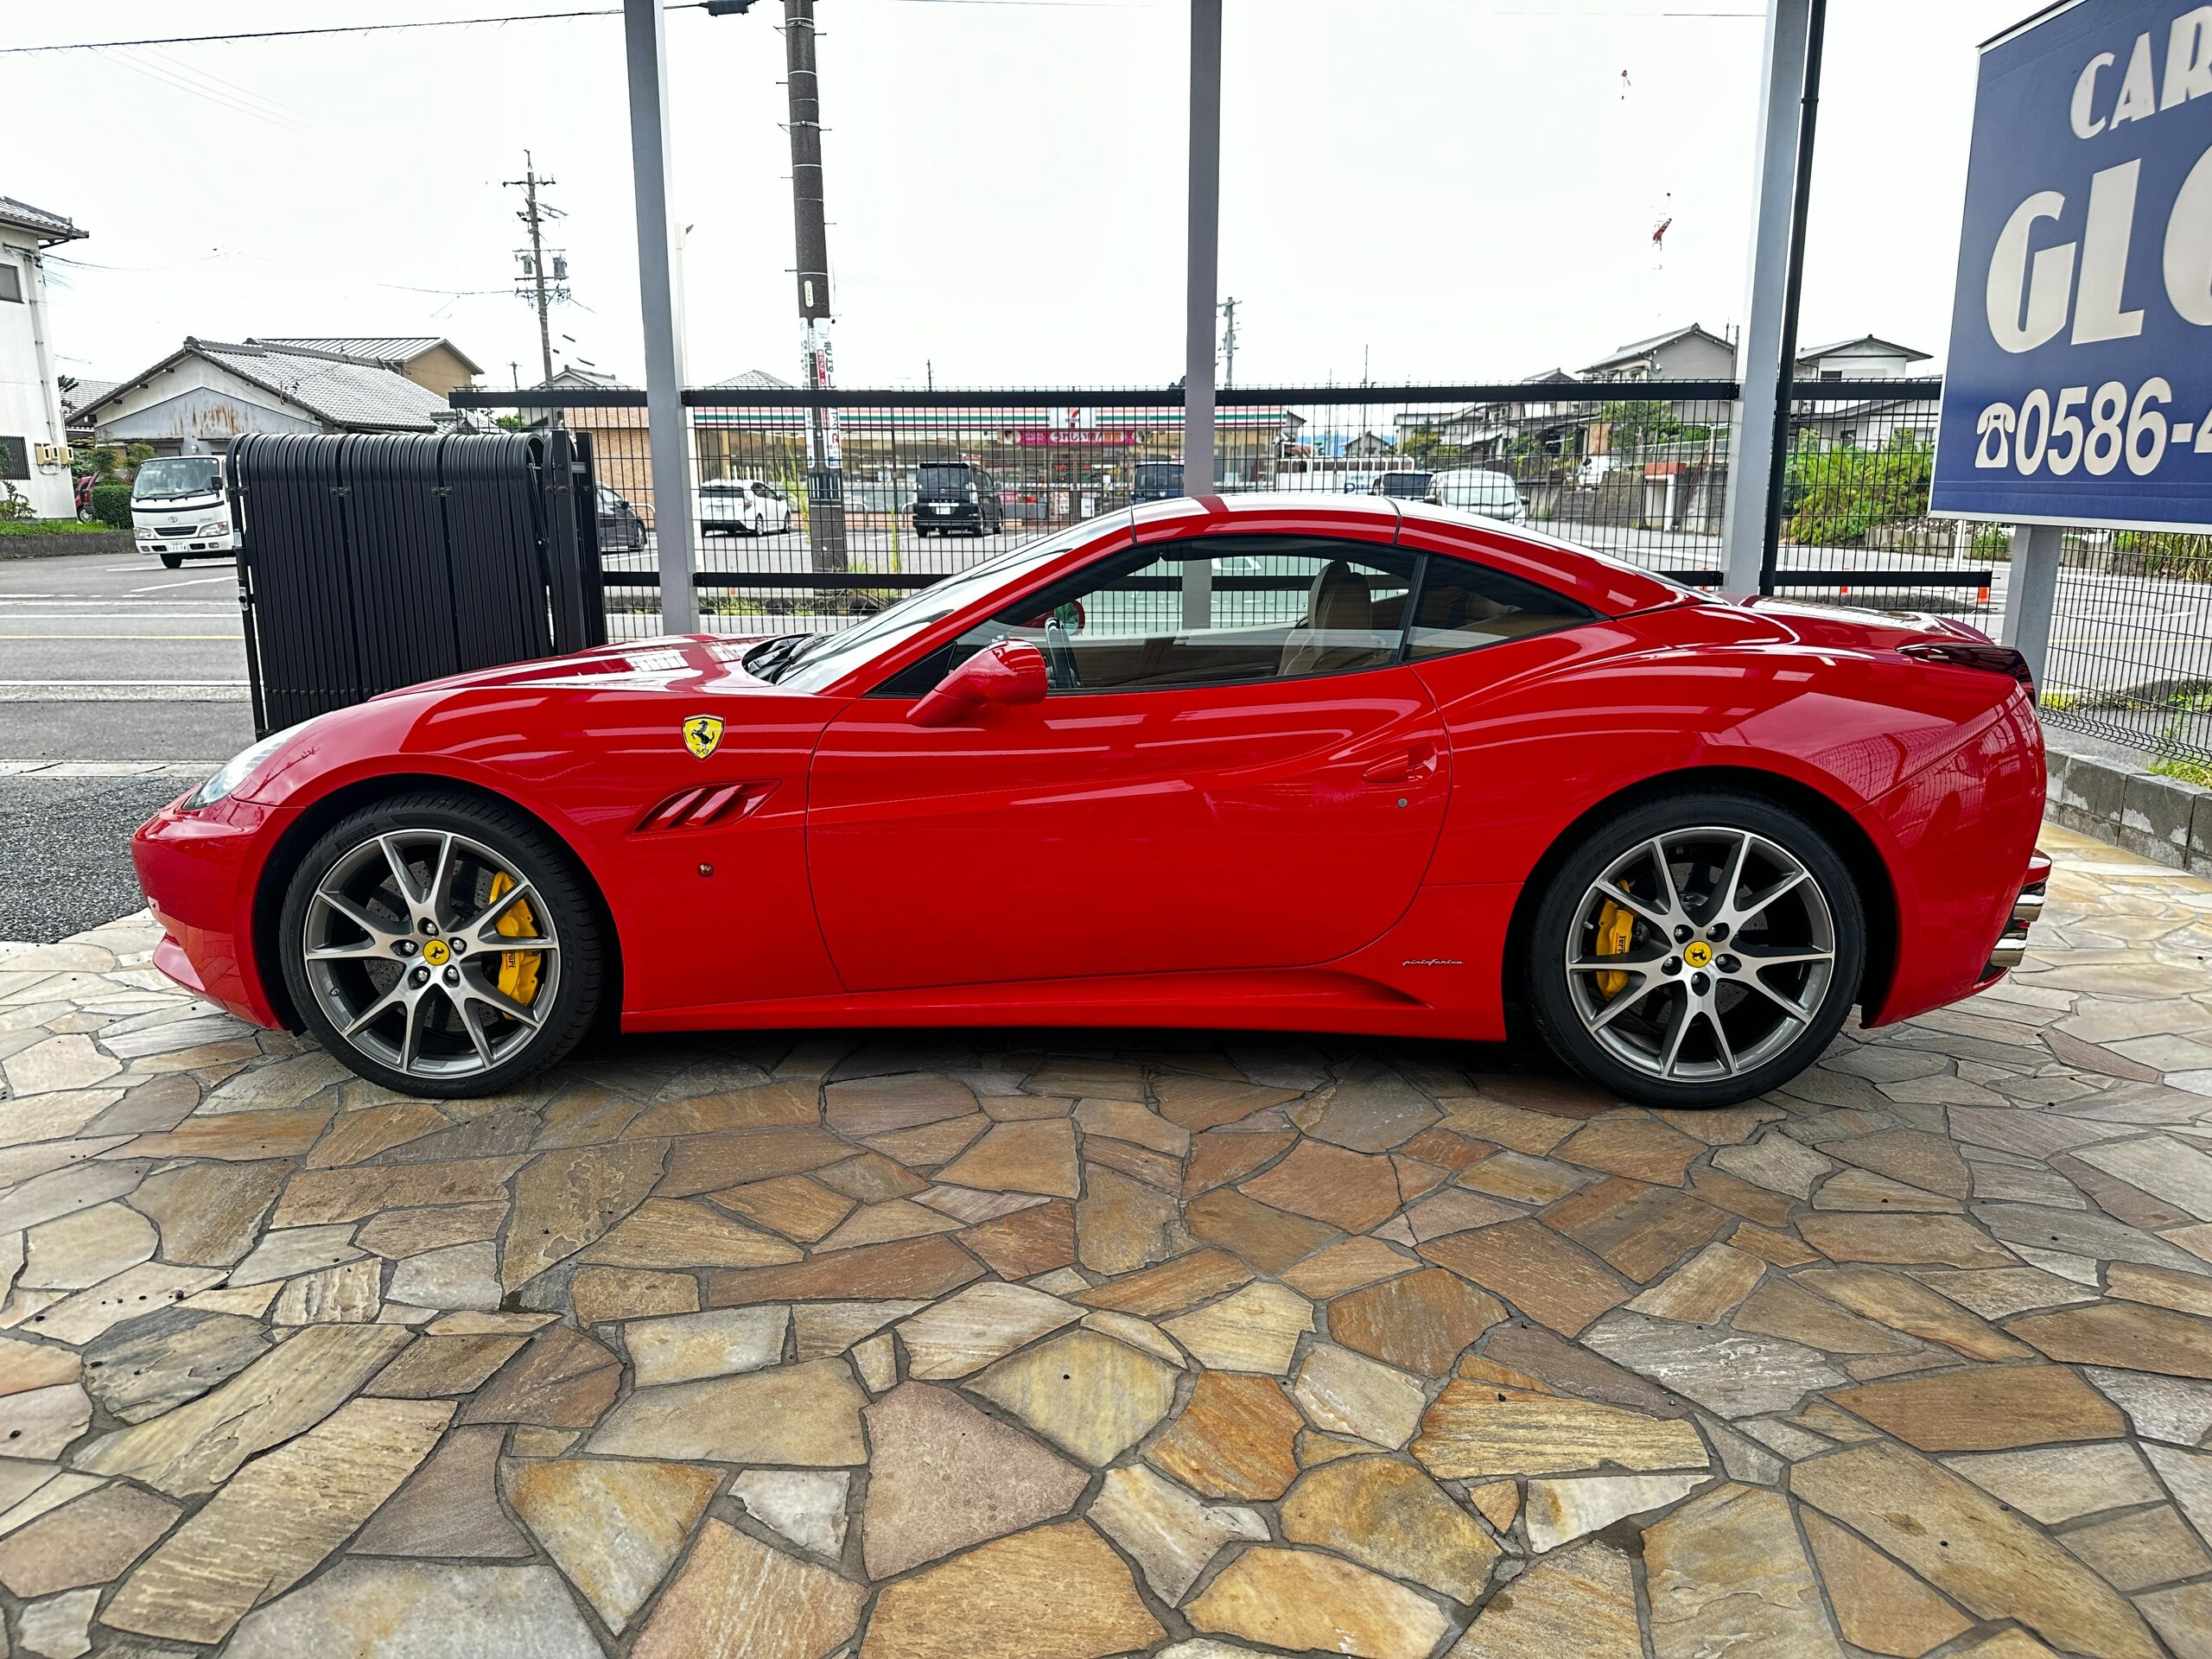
<point x="696" y="808"/>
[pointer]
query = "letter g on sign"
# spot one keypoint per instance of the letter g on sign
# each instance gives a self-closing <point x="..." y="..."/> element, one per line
<point x="2048" y="286"/>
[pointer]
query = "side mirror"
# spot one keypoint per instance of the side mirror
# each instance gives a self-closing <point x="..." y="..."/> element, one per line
<point x="1009" y="673"/>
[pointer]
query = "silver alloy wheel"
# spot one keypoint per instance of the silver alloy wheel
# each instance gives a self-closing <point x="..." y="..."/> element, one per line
<point x="1701" y="954"/>
<point x="404" y="951"/>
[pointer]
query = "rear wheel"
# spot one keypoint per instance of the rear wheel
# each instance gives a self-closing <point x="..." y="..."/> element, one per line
<point x="442" y="945"/>
<point x="1698" y="951"/>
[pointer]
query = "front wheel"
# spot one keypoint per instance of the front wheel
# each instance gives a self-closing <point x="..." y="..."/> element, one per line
<point x="442" y="945"/>
<point x="172" y="560"/>
<point x="1697" y="951"/>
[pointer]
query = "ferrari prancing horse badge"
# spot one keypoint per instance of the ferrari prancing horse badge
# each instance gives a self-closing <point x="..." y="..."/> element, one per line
<point x="702" y="733"/>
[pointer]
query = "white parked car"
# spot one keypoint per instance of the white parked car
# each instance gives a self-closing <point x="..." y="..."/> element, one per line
<point x="742" y="507"/>
<point x="1592" y="471"/>
<point x="1478" y="490"/>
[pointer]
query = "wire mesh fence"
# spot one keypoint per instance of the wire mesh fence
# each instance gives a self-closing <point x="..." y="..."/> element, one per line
<point x="812" y="510"/>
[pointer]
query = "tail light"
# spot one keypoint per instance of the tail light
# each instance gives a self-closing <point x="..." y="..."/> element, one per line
<point x="695" y="808"/>
<point x="1972" y="653"/>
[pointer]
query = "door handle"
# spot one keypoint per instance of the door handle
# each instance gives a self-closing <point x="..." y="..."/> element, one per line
<point x="1399" y="768"/>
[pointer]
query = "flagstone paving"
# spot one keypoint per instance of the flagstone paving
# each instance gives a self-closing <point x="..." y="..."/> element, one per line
<point x="1053" y="1346"/>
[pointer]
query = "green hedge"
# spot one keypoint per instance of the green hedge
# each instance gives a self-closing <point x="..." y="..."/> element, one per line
<point x="111" y="505"/>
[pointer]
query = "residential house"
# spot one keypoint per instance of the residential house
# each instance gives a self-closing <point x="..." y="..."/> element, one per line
<point x="1691" y="353"/>
<point x="206" y="392"/>
<point x="34" y="440"/>
<point x="437" y="364"/>
<point x="1862" y="422"/>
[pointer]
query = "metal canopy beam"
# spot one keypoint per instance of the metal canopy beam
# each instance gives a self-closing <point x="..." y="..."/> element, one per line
<point x="645" y="38"/>
<point x="1202" y="274"/>
<point x="1751" y="460"/>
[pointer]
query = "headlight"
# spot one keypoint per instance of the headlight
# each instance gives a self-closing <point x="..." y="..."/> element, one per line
<point x="145" y="532"/>
<point x="238" y="768"/>
<point x="214" y="527"/>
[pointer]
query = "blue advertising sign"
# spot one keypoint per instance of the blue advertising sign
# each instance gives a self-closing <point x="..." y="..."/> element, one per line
<point x="2079" y="386"/>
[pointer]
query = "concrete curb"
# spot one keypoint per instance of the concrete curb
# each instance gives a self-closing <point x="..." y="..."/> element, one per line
<point x="2156" y="817"/>
<point x="68" y="542"/>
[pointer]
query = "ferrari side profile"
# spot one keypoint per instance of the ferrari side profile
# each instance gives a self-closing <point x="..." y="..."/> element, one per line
<point x="1328" y="764"/>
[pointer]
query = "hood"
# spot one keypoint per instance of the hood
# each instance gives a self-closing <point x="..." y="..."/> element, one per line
<point x="672" y="662"/>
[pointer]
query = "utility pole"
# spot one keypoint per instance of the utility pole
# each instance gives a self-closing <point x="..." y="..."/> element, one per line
<point x="533" y="214"/>
<point x="825" y="494"/>
<point x="1229" y="341"/>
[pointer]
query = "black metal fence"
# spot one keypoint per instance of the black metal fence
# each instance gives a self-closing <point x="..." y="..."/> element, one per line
<point x="372" y="562"/>
<point x="928" y="483"/>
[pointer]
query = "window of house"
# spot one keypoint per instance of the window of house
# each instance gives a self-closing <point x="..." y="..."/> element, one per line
<point x="11" y="281"/>
<point x="15" y="457"/>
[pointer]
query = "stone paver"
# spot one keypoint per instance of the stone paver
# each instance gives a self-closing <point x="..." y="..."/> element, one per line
<point x="911" y="1346"/>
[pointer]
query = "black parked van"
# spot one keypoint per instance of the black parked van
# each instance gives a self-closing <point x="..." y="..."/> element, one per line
<point x="955" y="495"/>
<point x="1156" y="480"/>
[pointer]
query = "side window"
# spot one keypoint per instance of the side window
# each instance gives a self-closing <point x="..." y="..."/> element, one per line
<point x="1465" y="606"/>
<point x="1275" y="607"/>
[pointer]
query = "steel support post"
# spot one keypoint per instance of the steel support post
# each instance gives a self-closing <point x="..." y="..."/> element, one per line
<point x="2031" y="592"/>
<point x="1202" y="262"/>
<point x="1752" y="458"/>
<point x="660" y="301"/>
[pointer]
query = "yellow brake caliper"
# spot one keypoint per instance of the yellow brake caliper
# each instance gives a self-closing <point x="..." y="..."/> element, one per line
<point x="1616" y="928"/>
<point x="519" y="968"/>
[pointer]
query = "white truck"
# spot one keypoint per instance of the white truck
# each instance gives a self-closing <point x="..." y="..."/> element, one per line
<point x="180" y="511"/>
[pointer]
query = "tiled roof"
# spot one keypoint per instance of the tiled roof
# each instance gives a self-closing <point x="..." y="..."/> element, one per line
<point x="372" y="349"/>
<point x="340" y="391"/>
<point x="49" y="227"/>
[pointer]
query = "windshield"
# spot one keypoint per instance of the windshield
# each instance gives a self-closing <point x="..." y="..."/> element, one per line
<point x="1409" y="485"/>
<point x="178" y="475"/>
<point x="829" y="657"/>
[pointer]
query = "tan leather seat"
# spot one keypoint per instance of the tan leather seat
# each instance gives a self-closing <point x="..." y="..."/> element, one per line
<point x="1338" y="630"/>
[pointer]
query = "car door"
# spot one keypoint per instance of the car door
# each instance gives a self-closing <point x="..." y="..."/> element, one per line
<point x="1259" y="788"/>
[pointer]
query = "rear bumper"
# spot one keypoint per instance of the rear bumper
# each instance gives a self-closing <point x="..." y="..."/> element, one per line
<point x="1961" y="835"/>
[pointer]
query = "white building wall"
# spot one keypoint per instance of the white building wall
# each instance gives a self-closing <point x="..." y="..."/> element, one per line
<point x="30" y="402"/>
<point x="194" y="406"/>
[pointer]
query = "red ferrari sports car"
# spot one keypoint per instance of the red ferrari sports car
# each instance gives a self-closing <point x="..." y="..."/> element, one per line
<point x="1328" y="764"/>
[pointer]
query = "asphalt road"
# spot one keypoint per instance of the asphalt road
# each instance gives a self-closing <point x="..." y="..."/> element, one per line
<point x="105" y="660"/>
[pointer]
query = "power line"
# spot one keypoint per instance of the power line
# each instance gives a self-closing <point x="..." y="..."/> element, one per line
<point x="332" y="28"/>
<point x="465" y="22"/>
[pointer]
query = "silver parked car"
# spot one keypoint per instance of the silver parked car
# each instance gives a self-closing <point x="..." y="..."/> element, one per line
<point x="742" y="507"/>
<point x="1479" y="490"/>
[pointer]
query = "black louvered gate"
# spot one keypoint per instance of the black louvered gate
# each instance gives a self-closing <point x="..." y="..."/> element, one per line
<point x="369" y="562"/>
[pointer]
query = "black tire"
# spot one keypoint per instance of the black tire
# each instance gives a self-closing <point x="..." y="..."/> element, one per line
<point x="555" y="881"/>
<point x="172" y="561"/>
<point x="1742" y="1047"/>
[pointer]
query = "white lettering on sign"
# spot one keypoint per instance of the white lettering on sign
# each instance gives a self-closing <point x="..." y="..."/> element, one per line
<point x="2048" y="285"/>
<point x="2189" y="244"/>
<point x="2044" y="436"/>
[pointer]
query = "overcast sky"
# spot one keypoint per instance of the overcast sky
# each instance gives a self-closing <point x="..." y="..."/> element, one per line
<point x="1437" y="190"/>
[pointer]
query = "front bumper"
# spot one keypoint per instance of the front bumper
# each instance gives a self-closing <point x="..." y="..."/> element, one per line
<point x="195" y="544"/>
<point x="197" y="870"/>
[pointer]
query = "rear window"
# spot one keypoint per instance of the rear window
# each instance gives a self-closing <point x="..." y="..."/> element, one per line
<point x="942" y="478"/>
<point x="1465" y="606"/>
<point x="1159" y="474"/>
